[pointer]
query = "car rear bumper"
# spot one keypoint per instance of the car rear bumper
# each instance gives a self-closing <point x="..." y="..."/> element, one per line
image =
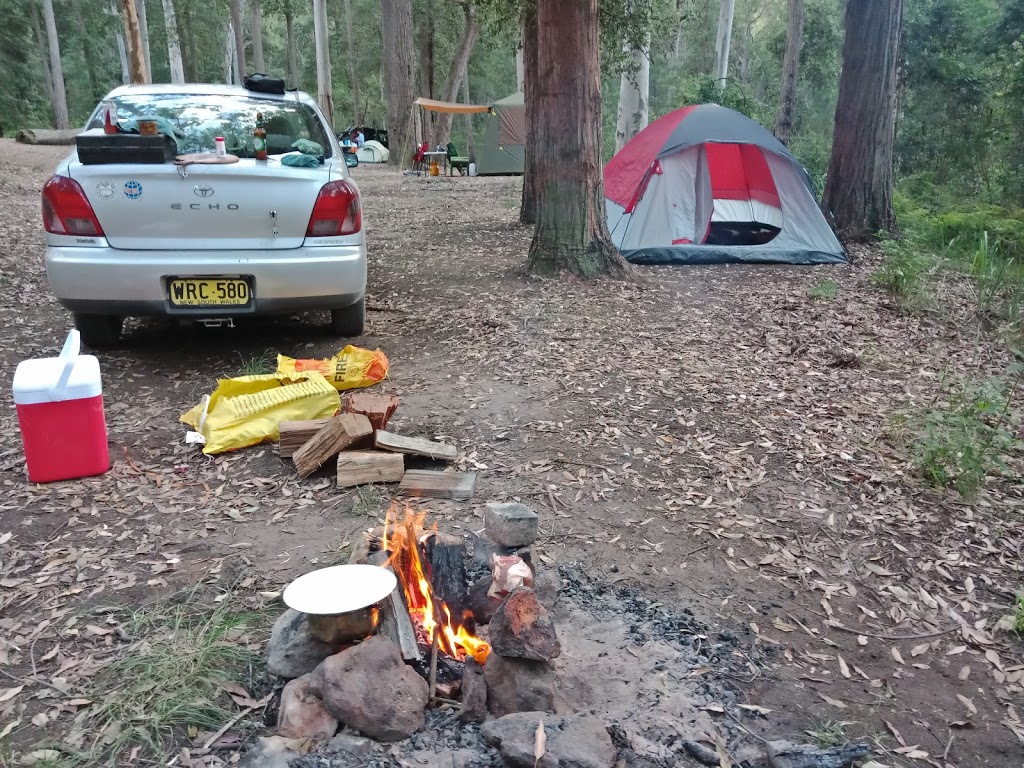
<point x="125" y="282"/>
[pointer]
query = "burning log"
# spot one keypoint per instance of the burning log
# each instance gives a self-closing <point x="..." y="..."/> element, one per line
<point x="446" y="561"/>
<point x="395" y="621"/>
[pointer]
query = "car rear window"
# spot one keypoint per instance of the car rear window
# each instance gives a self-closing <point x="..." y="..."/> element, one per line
<point x="198" y="119"/>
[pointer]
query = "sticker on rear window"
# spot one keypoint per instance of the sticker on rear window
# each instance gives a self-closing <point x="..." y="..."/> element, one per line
<point x="105" y="190"/>
<point x="132" y="190"/>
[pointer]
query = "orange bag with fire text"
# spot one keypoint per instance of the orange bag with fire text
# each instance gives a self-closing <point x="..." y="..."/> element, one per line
<point x="351" y="368"/>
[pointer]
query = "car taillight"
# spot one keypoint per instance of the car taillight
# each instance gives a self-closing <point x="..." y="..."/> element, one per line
<point x="336" y="211"/>
<point x="66" y="209"/>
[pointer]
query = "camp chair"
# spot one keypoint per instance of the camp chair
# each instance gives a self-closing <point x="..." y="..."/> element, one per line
<point x="456" y="163"/>
<point x="419" y="155"/>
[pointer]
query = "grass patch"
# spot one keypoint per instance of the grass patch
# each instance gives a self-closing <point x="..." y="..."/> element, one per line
<point x="1018" y="616"/>
<point x="905" y="273"/>
<point x="368" y="500"/>
<point x="824" y="290"/>
<point x="257" y="365"/>
<point x="829" y="733"/>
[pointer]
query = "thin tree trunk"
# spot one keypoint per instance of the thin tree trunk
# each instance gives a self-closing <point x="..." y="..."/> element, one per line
<point x="571" y="232"/>
<point x="470" y="151"/>
<point x="188" y="38"/>
<point x="131" y="27"/>
<point x="60" y="100"/>
<point x="790" y="71"/>
<point x="140" y="9"/>
<point x="257" y="36"/>
<point x="531" y="190"/>
<point x="470" y="33"/>
<point x="232" y="73"/>
<point x="42" y="50"/>
<point x="426" y="28"/>
<point x="88" y="52"/>
<point x="520" y="69"/>
<point x="173" y="43"/>
<point x="353" y="62"/>
<point x="634" y="94"/>
<point x="324" y="84"/>
<point x="723" y="41"/>
<point x="293" y="59"/>
<point x="238" y="29"/>
<point x="399" y="58"/>
<point x="858" y="189"/>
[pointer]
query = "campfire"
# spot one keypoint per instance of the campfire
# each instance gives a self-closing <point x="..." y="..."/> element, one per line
<point x="405" y="542"/>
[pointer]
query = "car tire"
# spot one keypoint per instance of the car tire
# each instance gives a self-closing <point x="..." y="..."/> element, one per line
<point x="99" y="330"/>
<point x="349" y="321"/>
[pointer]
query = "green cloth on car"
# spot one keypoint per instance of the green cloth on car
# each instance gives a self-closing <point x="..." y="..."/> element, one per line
<point x="307" y="147"/>
<point x="299" y="160"/>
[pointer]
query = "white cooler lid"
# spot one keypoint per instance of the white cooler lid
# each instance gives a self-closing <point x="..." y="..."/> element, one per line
<point x="54" y="379"/>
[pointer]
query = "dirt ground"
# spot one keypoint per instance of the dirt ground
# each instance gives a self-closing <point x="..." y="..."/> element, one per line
<point x="709" y="435"/>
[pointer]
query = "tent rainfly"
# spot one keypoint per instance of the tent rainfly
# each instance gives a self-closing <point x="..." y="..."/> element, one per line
<point x="504" y="148"/>
<point x="707" y="185"/>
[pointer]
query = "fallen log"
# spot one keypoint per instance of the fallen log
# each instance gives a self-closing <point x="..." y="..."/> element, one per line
<point x="341" y="432"/>
<point x="295" y="434"/>
<point x="417" y="446"/>
<point x="363" y="467"/>
<point x="48" y="136"/>
<point x="785" y="754"/>
<point x="439" y="485"/>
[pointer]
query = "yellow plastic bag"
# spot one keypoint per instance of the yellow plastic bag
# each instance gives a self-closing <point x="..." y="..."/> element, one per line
<point x="352" y="367"/>
<point x="247" y="410"/>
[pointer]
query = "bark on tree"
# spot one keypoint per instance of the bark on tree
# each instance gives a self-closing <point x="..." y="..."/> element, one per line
<point x="293" y="59"/>
<point x="188" y="38"/>
<point x="231" y="72"/>
<point x="520" y="69"/>
<point x="88" y="52"/>
<point x="137" y="62"/>
<point x="531" y="193"/>
<point x="353" y="62"/>
<point x="634" y="92"/>
<point x="723" y="41"/>
<point x="571" y="231"/>
<point x="140" y="10"/>
<point x="238" y="29"/>
<point x="42" y="49"/>
<point x="173" y="43"/>
<point x="257" y="36"/>
<point x="790" y="71"/>
<point x="470" y="151"/>
<point x="858" y="188"/>
<point x="60" y="100"/>
<point x="470" y="34"/>
<point x="399" y="58"/>
<point x="324" y="83"/>
<point x="426" y="85"/>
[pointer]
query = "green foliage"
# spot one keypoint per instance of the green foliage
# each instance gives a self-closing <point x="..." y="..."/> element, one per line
<point x="904" y="273"/>
<point x="1018" y="616"/>
<point x="824" y="290"/>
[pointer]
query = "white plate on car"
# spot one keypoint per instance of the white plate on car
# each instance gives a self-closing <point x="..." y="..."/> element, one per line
<point x="339" y="589"/>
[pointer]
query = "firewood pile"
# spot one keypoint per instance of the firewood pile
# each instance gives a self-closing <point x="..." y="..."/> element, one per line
<point x="366" y="452"/>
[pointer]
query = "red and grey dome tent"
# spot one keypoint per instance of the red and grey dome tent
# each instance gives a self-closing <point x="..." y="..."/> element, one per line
<point x="707" y="185"/>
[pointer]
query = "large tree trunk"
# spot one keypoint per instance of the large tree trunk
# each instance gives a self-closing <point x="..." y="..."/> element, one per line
<point x="634" y="92"/>
<point x="293" y="59"/>
<point x="238" y="30"/>
<point x="89" y="53"/>
<point x="140" y="10"/>
<point x="324" y="83"/>
<point x="353" y="63"/>
<point x="42" y="50"/>
<point x="858" y="189"/>
<point x="173" y="43"/>
<point x="571" y="232"/>
<point x="399" y="57"/>
<point x="790" y="71"/>
<point x="137" y="64"/>
<point x="531" y="190"/>
<point x="470" y="33"/>
<point x="426" y="85"/>
<point x="188" y="38"/>
<point x="257" y="36"/>
<point x="60" y="99"/>
<point x="723" y="41"/>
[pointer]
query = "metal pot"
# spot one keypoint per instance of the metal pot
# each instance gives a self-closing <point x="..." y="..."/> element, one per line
<point x="343" y="601"/>
<point x="343" y="628"/>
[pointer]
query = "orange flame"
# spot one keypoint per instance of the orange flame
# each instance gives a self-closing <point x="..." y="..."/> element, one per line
<point x="402" y="540"/>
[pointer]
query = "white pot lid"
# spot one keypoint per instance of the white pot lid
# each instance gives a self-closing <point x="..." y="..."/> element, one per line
<point x="339" y="589"/>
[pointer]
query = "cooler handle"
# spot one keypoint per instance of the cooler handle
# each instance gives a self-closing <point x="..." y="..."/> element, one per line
<point x="68" y="353"/>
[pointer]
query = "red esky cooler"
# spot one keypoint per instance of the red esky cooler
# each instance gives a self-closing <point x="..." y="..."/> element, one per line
<point x="60" y="412"/>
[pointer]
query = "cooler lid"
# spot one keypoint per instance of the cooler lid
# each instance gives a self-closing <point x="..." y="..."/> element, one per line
<point x="39" y="381"/>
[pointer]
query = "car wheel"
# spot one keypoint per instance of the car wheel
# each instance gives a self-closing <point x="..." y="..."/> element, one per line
<point x="99" y="330"/>
<point x="349" y="321"/>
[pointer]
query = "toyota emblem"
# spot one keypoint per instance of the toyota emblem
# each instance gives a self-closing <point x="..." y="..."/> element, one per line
<point x="203" y="190"/>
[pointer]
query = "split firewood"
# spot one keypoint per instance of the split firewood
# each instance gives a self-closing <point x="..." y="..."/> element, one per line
<point x="295" y="434"/>
<point x="418" y="446"/>
<point x="362" y="467"/>
<point x="785" y="754"/>
<point x="341" y="432"/>
<point x="395" y="622"/>
<point x="377" y="408"/>
<point x="439" y="485"/>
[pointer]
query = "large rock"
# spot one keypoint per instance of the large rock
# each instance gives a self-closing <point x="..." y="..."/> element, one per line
<point x="580" y="741"/>
<point x="302" y="715"/>
<point x="518" y="685"/>
<point x="369" y="688"/>
<point x="474" y="693"/>
<point x="293" y="650"/>
<point x="510" y="525"/>
<point x="523" y="628"/>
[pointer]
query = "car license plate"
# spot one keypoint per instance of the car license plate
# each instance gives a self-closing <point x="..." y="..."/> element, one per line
<point x="199" y="292"/>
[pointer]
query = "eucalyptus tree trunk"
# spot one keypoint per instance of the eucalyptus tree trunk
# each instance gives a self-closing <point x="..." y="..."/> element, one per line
<point x="460" y="62"/>
<point x="634" y="94"/>
<point x="790" y="71"/>
<point x="42" y="49"/>
<point x="88" y="53"/>
<point x="140" y="10"/>
<point x="858" y="189"/>
<point x="232" y="73"/>
<point x="257" y="36"/>
<point x="60" y="99"/>
<point x="571" y="230"/>
<point x="238" y="30"/>
<point x="173" y="43"/>
<point x="353" y="62"/>
<point x="399" y="82"/>
<point x="293" y="59"/>
<point x="531" y="163"/>
<point x="723" y="41"/>
<point x="520" y="69"/>
<point x="468" y="118"/>
<point x="137" y="60"/>
<point x="324" y="84"/>
<point x="426" y="84"/>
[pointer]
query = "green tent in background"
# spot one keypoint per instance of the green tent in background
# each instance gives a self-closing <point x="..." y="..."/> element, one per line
<point x="503" y="152"/>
